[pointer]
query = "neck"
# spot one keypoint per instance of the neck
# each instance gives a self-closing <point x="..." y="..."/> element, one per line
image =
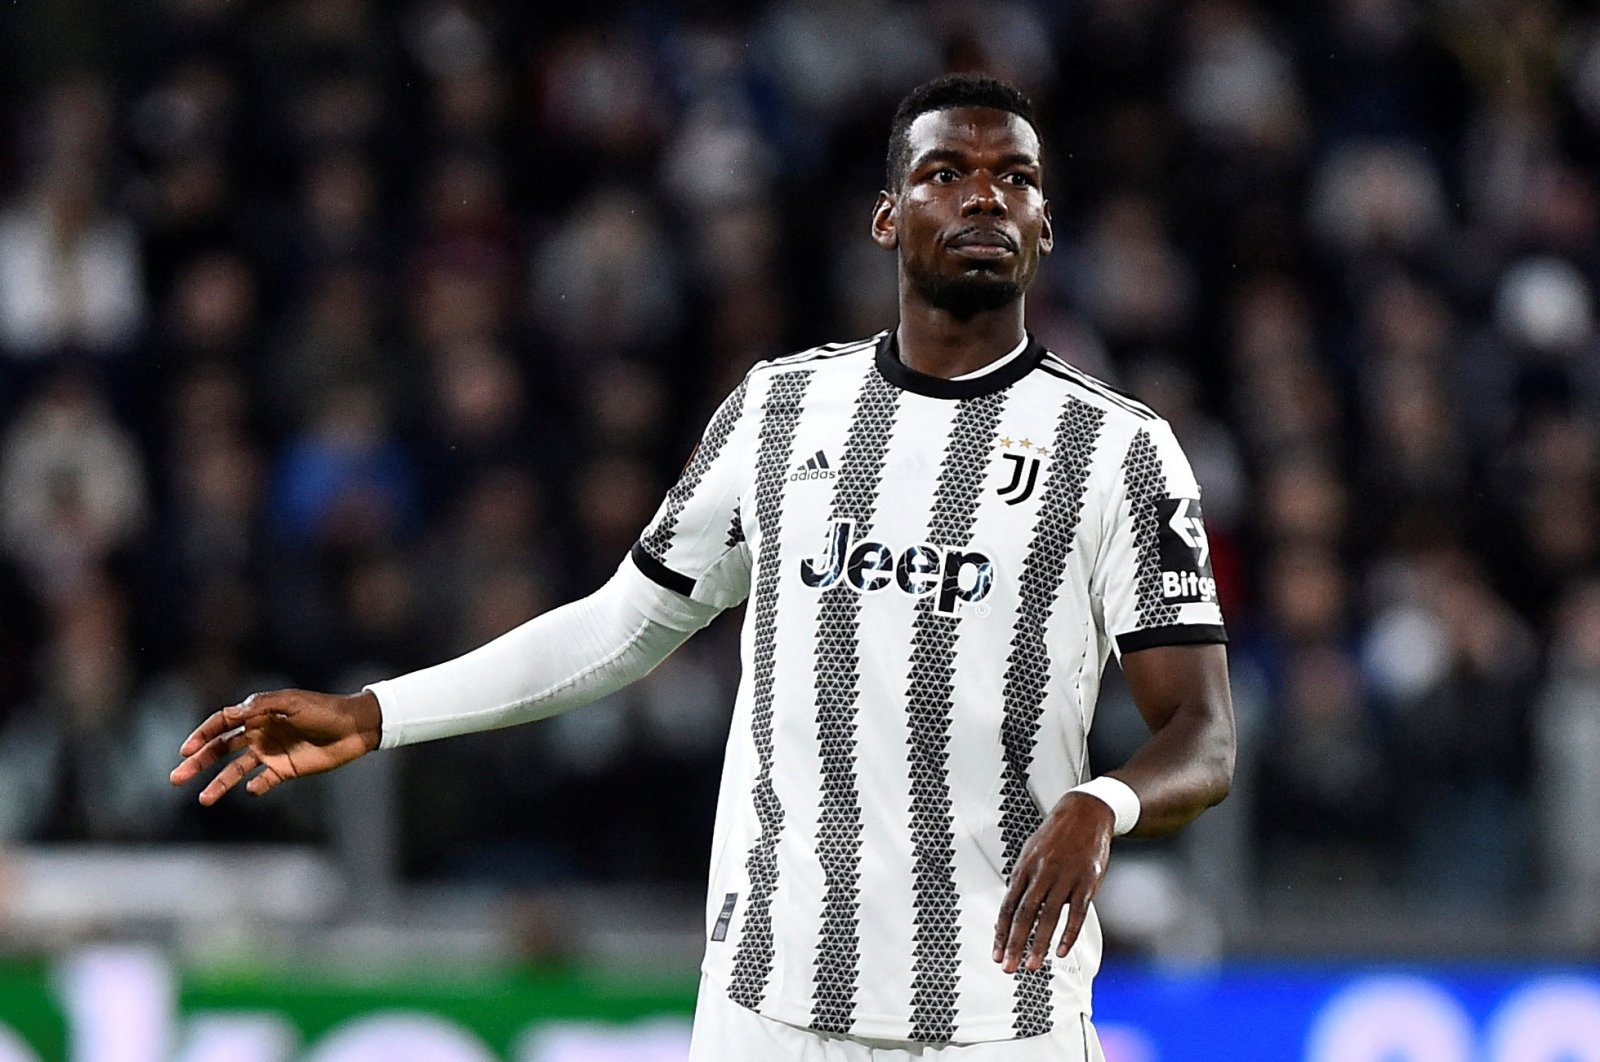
<point x="935" y="343"/>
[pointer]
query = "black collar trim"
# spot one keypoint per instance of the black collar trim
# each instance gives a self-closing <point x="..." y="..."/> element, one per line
<point x="896" y="372"/>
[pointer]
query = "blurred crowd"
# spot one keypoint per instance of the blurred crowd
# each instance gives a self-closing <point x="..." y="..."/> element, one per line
<point x="337" y="337"/>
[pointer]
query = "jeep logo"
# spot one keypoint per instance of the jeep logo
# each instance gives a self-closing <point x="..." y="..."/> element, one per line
<point x="958" y="576"/>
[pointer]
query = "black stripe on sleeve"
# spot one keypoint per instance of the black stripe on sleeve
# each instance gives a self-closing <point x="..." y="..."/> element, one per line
<point x="659" y="573"/>
<point x="1177" y="634"/>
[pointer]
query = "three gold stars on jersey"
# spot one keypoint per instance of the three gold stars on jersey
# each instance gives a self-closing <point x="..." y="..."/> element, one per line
<point x="1024" y="444"/>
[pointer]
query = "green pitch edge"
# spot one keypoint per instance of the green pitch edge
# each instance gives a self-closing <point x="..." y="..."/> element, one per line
<point x="499" y="1009"/>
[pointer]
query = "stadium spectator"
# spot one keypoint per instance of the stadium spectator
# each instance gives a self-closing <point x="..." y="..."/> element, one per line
<point x="344" y="481"/>
<point x="71" y="273"/>
<point x="72" y="486"/>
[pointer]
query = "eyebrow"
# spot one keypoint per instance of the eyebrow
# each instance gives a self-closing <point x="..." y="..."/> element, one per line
<point x="1012" y="158"/>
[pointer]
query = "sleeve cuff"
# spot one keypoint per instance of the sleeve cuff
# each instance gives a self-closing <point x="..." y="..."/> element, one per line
<point x="391" y="732"/>
<point x="1177" y="634"/>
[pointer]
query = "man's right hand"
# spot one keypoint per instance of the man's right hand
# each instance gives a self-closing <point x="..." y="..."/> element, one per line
<point x="286" y="733"/>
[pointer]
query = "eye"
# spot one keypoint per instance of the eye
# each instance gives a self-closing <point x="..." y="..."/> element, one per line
<point x="1021" y="180"/>
<point x="943" y="176"/>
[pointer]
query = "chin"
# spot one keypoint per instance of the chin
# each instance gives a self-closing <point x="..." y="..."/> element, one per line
<point x="974" y="292"/>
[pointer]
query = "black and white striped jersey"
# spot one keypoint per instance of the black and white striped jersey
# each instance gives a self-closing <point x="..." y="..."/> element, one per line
<point x="936" y="572"/>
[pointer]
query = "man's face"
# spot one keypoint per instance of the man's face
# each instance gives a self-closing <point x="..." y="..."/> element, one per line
<point x="970" y="220"/>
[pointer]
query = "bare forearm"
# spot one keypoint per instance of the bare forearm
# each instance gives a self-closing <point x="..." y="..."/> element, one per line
<point x="1186" y="765"/>
<point x="1184" y="768"/>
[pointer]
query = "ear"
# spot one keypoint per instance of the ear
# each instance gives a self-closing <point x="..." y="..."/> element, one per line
<point x="1047" y="236"/>
<point x="884" y="217"/>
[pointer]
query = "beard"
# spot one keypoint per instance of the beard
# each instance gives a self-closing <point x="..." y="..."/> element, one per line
<point x="966" y="296"/>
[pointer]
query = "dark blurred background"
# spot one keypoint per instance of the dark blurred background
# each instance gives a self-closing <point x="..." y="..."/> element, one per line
<point x="337" y="337"/>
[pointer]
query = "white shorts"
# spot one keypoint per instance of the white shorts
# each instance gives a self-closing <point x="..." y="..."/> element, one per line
<point x="726" y="1032"/>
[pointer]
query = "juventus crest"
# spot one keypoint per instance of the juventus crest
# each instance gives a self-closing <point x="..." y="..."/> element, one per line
<point x="1024" y="475"/>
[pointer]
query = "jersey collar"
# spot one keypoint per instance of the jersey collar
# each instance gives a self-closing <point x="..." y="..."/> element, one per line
<point x="896" y="372"/>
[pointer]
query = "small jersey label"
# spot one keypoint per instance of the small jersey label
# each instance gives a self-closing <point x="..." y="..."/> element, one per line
<point x="720" y="930"/>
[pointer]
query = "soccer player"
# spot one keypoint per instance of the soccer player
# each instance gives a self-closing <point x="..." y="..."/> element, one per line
<point x="943" y="531"/>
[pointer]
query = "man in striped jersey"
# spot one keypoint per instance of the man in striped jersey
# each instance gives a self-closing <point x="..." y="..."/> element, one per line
<point x="943" y="532"/>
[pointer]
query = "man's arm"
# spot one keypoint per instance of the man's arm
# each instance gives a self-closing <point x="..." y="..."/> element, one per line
<point x="570" y="656"/>
<point x="1184" y="767"/>
<point x="575" y="654"/>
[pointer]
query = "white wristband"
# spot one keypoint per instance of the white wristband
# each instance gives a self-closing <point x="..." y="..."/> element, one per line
<point x="1118" y="796"/>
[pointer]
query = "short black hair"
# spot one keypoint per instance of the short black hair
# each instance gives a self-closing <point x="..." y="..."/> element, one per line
<point x="941" y="94"/>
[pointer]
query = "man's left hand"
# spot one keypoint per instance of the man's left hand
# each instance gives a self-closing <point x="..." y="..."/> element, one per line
<point x="1060" y="868"/>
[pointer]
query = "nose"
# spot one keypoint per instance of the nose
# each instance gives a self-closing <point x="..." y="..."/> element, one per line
<point x="984" y="196"/>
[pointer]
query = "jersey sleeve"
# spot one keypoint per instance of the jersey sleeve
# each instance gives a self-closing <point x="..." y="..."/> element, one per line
<point x="695" y="542"/>
<point x="1154" y="576"/>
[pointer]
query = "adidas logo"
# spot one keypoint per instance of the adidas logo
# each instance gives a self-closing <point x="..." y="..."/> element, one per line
<point x="816" y="467"/>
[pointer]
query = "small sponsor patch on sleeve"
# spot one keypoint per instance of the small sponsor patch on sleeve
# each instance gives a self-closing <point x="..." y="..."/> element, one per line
<point x="1185" y="552"/>
<point x="720" y="930"/>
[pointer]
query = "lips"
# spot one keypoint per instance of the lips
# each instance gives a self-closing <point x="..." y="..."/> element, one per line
<point x="983" y="242"/>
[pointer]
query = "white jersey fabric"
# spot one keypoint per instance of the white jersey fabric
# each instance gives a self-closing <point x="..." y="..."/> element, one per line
<point x="727" y="1032"/>
<point x="936" y="571"/>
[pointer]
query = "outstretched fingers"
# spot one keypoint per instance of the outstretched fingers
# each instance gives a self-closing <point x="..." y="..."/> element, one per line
<point x="252" y="709"/>
<point x="265" y="781"/>
<point x="230" y="776"/>
<point x="215" y="725"/>
<point x="229" y="741"/>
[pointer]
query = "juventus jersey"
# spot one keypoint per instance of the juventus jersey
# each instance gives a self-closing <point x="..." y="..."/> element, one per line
<point x="937" y="570"/>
